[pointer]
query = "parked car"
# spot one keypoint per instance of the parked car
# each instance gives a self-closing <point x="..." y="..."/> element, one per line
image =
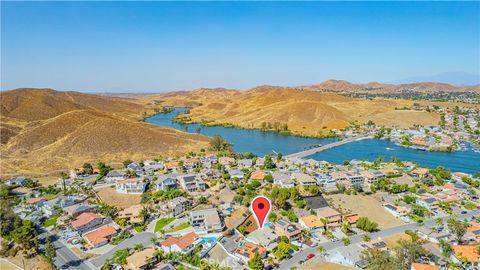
<point x="309" y="256"/>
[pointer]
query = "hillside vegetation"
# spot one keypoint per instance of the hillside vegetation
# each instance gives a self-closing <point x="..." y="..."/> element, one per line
<point x="45" y="130"/>
<point x="304" y="112"/>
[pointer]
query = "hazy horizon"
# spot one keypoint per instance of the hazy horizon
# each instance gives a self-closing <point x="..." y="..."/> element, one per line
<point x="143" y="47"/>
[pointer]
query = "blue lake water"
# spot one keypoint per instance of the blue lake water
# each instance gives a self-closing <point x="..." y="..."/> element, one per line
<point x="262" y="143"/>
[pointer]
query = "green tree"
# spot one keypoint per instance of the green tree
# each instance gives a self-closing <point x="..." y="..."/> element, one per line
<point x="218" y="143"/>
<point x="87" y="168"/>
<point x="268" y="163"/>
<point x="457" y="228"/>
<point x="127" y="162"/>
<point x="50" y="252"/>
<point x="365" y="224"/>
<point x="256" y="262"/>
<point x="282" y="250"/>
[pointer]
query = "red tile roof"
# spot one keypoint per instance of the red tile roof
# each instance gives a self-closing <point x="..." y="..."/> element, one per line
<point x="84" y="219"/>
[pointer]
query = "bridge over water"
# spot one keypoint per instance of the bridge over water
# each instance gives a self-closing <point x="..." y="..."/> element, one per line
<point x="314" y="150"/>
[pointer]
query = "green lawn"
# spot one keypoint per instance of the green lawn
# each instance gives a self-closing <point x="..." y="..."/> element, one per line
<point x="162" y="223"/>
<point x="50" y="222"/>
<point x="179" y="227"/>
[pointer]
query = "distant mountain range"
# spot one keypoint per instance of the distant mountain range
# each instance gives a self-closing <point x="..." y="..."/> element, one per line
<point x="376" y="87"/>
<point x="454" y="78"/>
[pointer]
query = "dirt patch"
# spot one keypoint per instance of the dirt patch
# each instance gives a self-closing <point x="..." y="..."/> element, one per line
<point x="35" y="263"/>
<point x="404" y="179"/>
<point x="365" y="206"/>
<point x="110" y="196"/>
<point x="320" y="263"/>
<point x="236" y="218"/>
<point x="249" y="224"/>
<point x="392" y="240"/>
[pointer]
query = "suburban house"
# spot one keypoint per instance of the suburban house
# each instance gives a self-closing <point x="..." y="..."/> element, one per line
<point x="432" y="235"/>
<point x="338" y="176"/>
<point x="265" y="237"/>
<point x="311" y="222"/>
<point x="429" y="202"/>
<point x="206" y="220"/>
<point x="100" y="236"/>
<point x="355" y="178"/>
<point x="191" y="183"/>
<point x="304" y="179"/>
<point x="183" y="244"/>
<point x="351" y="218"/>
<point x="420" y="172"/>
<point x="467" y="256"/>
<point x="165" y="182"/>
<point x="282" y="179"/>
<point x="372" y="176"/>
<point x="35" y="202"/>
<point x="172" y="165"/>
<point x="226" y="161"/>
<point x="422" y="266"/>
<point x="191" y="163"/>
<point x="245" y="163"/>
<point x="236" y="174"/>
<point x="248" y="250"/>
<point x="397" y="211"/>
<point x="257" y="175"/>
<point x="283" y="227"/>
<point x="86" y="221"/>
<point x="77" y="209"/>
<point x="333" y="218"/>
<point x="141" y="260"/>
<point x="152" y="166"/>
<point x="115" y="176"/>
<point x="131" y="186"/>
<point x="132" y="214"/>
<point x="473" y="232"/>
<point x="178" y="206"/>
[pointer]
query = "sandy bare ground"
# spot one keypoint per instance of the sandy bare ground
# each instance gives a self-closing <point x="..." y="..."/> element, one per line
<point x="35" y="263"/>
<point x="365" y="206"/>
<point x="111" y="197"/>
<point x="404" y="179"/>
<point x="320" y="263"/>
<point x="392" y="240"/>
<point x="236" y="218"/>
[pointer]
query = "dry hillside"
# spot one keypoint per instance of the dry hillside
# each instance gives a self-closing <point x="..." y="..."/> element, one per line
<point x="305" y="112"/>
<point x="45" y="130"/>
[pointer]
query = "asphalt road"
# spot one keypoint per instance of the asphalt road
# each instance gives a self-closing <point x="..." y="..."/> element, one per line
<point x="66" y="259"/>
<point x="294" y="261"/>
<point x="142" y="238"/>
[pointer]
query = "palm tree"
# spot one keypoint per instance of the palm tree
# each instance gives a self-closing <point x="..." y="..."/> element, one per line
<point x="321" y="249"/>
<point x="325" y="222"/>
<point x="439" y="221"/>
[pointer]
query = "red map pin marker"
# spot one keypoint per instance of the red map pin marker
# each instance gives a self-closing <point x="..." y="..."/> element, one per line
<point x="260" y="207"/>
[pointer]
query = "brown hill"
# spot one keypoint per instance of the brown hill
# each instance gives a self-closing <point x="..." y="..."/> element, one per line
<point x="345" y="86"/>
<point x="306" y="112"/>
<point x="50" y="130"/>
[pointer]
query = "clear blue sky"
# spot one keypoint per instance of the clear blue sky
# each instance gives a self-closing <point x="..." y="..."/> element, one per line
<point x="160" y="46"/>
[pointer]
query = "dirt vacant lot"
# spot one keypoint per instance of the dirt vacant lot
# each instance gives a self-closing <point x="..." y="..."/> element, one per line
<point x="365" y="206"/>
<point x="319" y="263"/>
<point x="110" y="196"/>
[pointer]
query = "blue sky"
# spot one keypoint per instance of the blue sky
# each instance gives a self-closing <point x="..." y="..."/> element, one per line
<point x="160" y="46"/>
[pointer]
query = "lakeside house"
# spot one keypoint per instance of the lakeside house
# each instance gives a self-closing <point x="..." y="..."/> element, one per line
<point x="131" y="186"/>
<point x="282" y="179"/>
<point x="420" y="173"/>
<point x="206" y="220"/>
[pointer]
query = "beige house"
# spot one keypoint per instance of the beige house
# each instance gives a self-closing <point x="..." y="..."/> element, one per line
<point x="132" y="214"/>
